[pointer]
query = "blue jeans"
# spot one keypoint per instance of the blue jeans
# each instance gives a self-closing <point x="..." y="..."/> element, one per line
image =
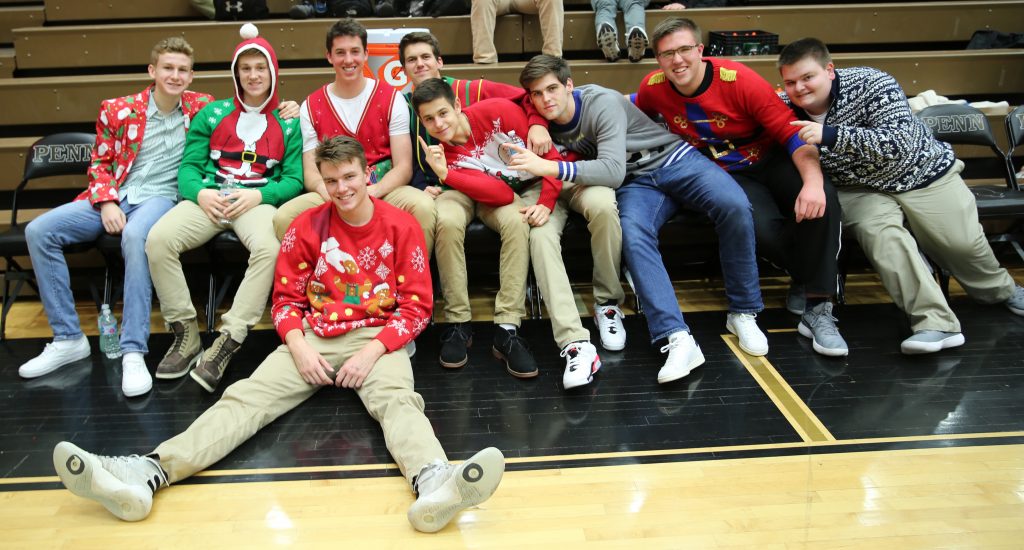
<point x="78" y="222"/>
<point x="650" y="200"/>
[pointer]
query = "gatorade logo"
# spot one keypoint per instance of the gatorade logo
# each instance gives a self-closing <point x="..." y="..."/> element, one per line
<point x="383" y="64"/>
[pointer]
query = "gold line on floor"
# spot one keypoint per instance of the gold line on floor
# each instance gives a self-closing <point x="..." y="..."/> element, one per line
<point x="796" y="412"/>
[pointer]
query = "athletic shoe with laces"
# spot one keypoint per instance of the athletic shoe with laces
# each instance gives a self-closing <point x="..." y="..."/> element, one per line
<point x="512" y="349"/>
<point x="211" y="367"/>
<point x="455" y="341"/>
<point x="684" y="355"/>
<point x="581" y="364"/>
<point x="135" y="378"/>
<point x="819" y="325"/>
<point x="55" y="355"/>
<point x="609" y="324"/>
<point x="744" y="326"/>
<point x="444" y="490"/>
<point x="1016" y="301"/>
<point x="608" y="41"/>
<point x="636" y="44"/>
<point x="124" y="485"/>
<point x="930" y="341"/>
<point x="796" y="300"/>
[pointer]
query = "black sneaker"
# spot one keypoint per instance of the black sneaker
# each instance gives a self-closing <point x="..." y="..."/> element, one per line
<point x="455" y="340"/>
<point x="512" y="349"/>
<point x="384" y="9"/>
<point x="302" y="11"/>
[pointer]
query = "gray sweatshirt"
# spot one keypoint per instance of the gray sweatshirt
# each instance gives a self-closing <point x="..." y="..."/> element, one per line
<point x="618" y="140"/>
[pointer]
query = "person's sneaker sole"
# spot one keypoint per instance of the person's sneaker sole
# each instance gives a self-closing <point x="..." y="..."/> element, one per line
<point x="761" y="352"/>
<point x="918" y="348"/>
<point x="608" y="42"/>
<point x="472" y="482"/>
<point x="694" y="363"/>
<point x="202" y="382"/>
<point x="460" y="364"/>
<point x="637" y="46"/>
<point x="805" y="331"/>
<point x="501" y="356"/>
<point x="83" y="476"/>
<point x="1015" y="310"/>
<point x="183" y="372"/>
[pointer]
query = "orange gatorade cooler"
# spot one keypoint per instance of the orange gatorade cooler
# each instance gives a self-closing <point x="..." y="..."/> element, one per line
<point x="382" y="61"/>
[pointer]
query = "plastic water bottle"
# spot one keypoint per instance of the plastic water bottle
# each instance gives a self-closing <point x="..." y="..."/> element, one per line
<point x="227" y="186"/>
<point x="108" y="333"/>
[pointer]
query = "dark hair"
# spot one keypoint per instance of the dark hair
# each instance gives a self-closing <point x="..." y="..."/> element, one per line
<point x="418" y="38"/>
<point x="672" y="25"/>
<point x="542" y="65"/>
<point x="338" y="149"/>
<point x="805" y="47"/>
<point x="346" y="27"/>
<point x="429" y="90"/>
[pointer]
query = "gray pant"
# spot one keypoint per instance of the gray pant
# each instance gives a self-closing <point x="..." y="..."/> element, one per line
<point x="944" y="220"/>
<point x="632" y="12"/>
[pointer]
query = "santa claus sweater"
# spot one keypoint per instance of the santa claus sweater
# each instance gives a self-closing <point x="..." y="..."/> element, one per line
<point x="221" y="132"/>
<point x="475" y="167"/>
<point x="337" y="277"/>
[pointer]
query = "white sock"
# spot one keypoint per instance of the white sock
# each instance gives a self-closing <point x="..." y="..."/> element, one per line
<point x="125" y="357"/>
<point x="508" y="327"/>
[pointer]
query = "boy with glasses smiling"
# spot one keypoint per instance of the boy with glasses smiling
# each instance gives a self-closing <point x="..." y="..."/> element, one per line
<point x="734" y="117"/>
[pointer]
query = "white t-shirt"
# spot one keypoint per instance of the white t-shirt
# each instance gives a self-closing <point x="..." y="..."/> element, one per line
<point x="350" y="111"/>
<point x="820" y="119"/>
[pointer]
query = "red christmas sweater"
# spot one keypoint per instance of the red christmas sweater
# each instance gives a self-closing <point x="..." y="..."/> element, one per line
<point x="474" y="166"/>
<point x="339" y="278"/>
<point x="735" y="121"/>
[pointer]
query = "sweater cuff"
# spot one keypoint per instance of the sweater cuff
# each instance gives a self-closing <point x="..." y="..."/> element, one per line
<point x="829" y="136"/>
<point x="287" y="324"/>
<point x="567" y="171"/>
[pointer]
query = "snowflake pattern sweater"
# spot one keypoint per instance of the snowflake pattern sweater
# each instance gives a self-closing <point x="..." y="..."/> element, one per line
<point x="871" y="138"/>
<point x="338" y="278"/>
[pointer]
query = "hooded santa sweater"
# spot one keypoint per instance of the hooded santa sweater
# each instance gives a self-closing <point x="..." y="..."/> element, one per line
<point x="250" y="144"/>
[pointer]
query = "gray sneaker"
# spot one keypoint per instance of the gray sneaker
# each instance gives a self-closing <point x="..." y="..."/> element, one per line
<point x="819" y="325"/>
<point x="608" y="41"/>
<point x="930" y="341"/>
<point x="1016" y="302"/>
<point x="444" y="490"/>
<point x="124" y="485"/>
<point x="796" y="300"/>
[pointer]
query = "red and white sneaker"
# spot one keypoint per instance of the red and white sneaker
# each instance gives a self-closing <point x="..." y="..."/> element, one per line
<point x="581" y="364"/>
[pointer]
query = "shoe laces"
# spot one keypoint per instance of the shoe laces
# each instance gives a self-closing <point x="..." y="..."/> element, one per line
<point x="432" y="476"/>
<point x="673" y="345"/>
<point x="514" y="340"/>
<point x="128" y="469"/>
<point x="575" y="358"/>
<point x="609" y="315"/>
<point x="179" y="339"/>
<point x="824" y="321"/>
<point x="222" y="354"/>
<point x="455" y="331"/>
<point x="745" y="323"/>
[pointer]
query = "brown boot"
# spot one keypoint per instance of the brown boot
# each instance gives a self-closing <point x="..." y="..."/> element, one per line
<point x="211" y="367"/>
<point x="185" y="351"/>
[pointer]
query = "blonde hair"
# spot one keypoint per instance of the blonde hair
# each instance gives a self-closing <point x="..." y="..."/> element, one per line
<point x="173" y="44"/>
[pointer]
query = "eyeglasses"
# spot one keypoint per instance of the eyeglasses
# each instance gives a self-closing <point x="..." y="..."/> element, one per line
<point x="669" y="55"/>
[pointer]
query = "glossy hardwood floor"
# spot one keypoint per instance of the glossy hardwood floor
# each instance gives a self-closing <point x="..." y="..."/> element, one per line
<point x="793" y="450"/>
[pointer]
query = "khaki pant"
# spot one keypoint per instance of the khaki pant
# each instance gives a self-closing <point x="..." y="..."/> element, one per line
<point x="482" y="19"/>
<point x="943" y="218"/>
<point x="410" y="199"/>
<point x="454" y="212"/>
<point x="598" y="206"/>
<point x="186" y="227"/>
<point x="276" y="388"/>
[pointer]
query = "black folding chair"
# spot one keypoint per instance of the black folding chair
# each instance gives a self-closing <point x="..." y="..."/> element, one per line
<point x="60" y="154"/>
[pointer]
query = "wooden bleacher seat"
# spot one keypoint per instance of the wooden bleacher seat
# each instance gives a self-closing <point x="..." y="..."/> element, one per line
<point x="13" y="17"/>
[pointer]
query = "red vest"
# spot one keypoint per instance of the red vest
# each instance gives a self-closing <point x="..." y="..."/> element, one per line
<point x="373" y="128"/>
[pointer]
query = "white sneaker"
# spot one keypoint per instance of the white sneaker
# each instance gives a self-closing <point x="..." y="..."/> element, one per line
<point x="609" y="324"/>
<point x="124" y="485"/>
<point x="581" y="364"/>
<point x="54" y="356"/>
<point x="135" y="379"/>
<point x="744" y="326"/>
<point x="410" y="348"/>
<point x="445" y="490"/>
<point x="684" y="355"/>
